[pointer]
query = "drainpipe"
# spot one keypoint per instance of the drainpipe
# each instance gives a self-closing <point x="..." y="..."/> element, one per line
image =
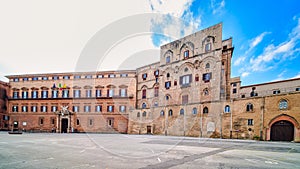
<point x="262" y="119"/>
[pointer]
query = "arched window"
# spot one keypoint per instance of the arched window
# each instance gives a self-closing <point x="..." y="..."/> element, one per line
<point x="170" y="112"/>
<point x="168" y="60"/>
<point x="205" y="110"/>
<point x="205" y="92"/>
<point x="283" y="104"/>
<point x="138" y="114"/>
<point x="162" y="113"/>
<point x="207" y="66"/>
<point x="194" y="111"/>
<point x="227" y="109"/>
<point x="196" y="77"/>
<point x="181" y="111"/>
<point x="249" y="107"/>
<point x="167" y="97"/>
<point x="144" y="105"/>
<point x="144" y="114"/>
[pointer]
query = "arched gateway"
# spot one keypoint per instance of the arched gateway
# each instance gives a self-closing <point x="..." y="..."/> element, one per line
<point x="282" y="131"/>
<point x="283" y="128"/>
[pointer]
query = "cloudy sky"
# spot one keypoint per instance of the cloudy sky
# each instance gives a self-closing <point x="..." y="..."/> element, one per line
<point x="40" y="36"/>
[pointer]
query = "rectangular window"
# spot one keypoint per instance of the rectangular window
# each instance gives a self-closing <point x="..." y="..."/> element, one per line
<point x="110" y="108"/>
<point x="168" y="84"/>
<point x="110" y="92"/>
<point x="16" y="79"/>
<point x="185" y="80"/>
<point x="43" y="108"/>
<point x="250" y="122"/>
<point x="15" y="94"/>
<point x="45" y="78"/>
<point x="144" y="94"/>
<point x="76" y="93"/>
<point x="52" y="120"/>
<point x="90" y="122"/>
<point x="156" y="73"/>
<point x="77" y="77"/>
<point x="65" y="93"/>
<point x="123" y="75"/>
<point x="123" y="92"/>
<point x="122" y="108"/>
<point x="234" y="90"/>
<point x="88" y="76"/>
<point x="185" y="99"/>
<point x="54" y="108"/>
<point x="35" y="78"/>
<point x="34" y="108"/>
<point x="206" y="77"/>
<point x="44" y="94"/>
<point x="98" y="108"/>
<point x="156" y="91"/>
<point x="24" y="108"/>
<point x="77" y="122"/>
<point x="14" y="108"/>
<point x="98" y="93"/>
<point x="110" y="122"/>
<point x="88" y="93"/>
<point x="76" y="109"/>
<point x="25" y="94"/>
<point x="111" y="76"/>
<point x="144" y="76"/>
<point x="55" y="77"/>
<point x="34" y="94"/>
<point x="207" y="47"/>
<point x="66" y="77"/>
<point x="87" y="108"/>
<point x="41" y="121"/>
<point x="168" y="59"/>
<point x="186" y="54"/>
<point x="25" y="79"/>
<point x="100" y="76"/>
<point x="276" y="91"/>
<point x="54" y="93"/>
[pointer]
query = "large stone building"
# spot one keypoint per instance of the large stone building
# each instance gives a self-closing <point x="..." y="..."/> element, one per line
<point x="189" y="92"/>
<point x="4" y="87"/>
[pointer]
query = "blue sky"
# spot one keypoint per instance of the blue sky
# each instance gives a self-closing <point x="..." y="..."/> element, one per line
<point x="35" y="39"/>
<point x="266" y="35"/>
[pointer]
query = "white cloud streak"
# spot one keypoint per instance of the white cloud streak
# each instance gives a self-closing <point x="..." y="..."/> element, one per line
<point x="216" y="6"/>
<point x="179" y="20"/>
<point x="253" y="43"/>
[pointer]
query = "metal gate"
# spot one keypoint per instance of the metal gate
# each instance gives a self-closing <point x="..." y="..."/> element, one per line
<point x="282" y="131"/>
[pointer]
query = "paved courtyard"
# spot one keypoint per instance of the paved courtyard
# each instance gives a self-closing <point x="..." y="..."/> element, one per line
<point x="141" y="151"/>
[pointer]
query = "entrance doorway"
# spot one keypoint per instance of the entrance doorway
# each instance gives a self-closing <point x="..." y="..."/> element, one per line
<point x="282" y="131"/>
<point x="64" y="125"/>
<point x="149" y="130"/>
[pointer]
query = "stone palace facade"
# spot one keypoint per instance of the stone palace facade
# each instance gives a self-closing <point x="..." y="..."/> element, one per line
<point x="189" y="92"/>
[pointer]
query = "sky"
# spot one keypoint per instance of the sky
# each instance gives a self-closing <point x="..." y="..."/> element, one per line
<point x="48" y="36"/>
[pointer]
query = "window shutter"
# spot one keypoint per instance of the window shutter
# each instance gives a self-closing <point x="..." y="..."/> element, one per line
<point x="180" y="80"/>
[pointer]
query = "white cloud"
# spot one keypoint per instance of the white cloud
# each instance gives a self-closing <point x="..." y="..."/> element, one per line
<point x="245" y="74"/>
<point x="239" y="60"/>
<point x="216" y="6"/>
<point x="170" y="7"/>
<point x="253" y="43"/>
<point x="178" y="22"/>
<point x="257" y="40"/>
<point x="279" y="52"/>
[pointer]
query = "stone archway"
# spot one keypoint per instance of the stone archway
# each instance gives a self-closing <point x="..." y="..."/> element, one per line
<point x="283" y="128"/>
<point x="282" y="131"/>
